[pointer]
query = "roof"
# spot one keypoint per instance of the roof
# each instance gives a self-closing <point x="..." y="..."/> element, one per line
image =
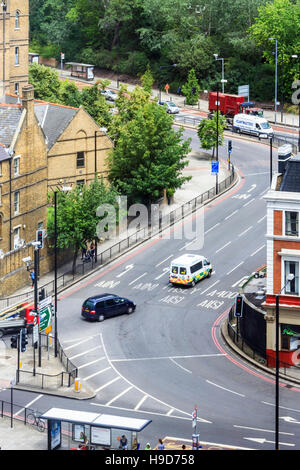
<point x="4" y="155"/>
<point x="291" y="177"/>
<point x="188" y="258"/>
<point x="53" y="119"/>
<point x="101" y="296"/>
<point x="10" y="116"/>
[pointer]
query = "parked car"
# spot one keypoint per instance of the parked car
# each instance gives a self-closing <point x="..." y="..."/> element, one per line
<point x="104" y="306"/>
<point x="171" y="107"/>
<point x="109" y="95"/>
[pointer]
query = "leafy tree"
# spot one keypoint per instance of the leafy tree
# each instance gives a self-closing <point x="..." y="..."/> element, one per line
<point x="77" y="218"/>
<point x="147" y="80"/>
<point x="191" y="88"/>
<point x="207" y="132"/>
<point x="149" y="155"/>
<point x="46" y="83"/>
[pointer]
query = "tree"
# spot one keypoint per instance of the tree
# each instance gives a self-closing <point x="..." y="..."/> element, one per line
<point x="76" y="215"/>
<point x="207" y="132"/>
<point x="46" y="83"/>
<point x="147" y="80"/>
<point x="191" y="88"/>
<point x="149" y="155"/>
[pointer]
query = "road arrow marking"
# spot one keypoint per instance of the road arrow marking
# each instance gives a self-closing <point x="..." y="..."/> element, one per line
<point x="289" y="419"/>
<point x="264" y="441"/>
<point x="127" y="268"/>
<point x="252" y="188"/>
<point x="161" y="275"/>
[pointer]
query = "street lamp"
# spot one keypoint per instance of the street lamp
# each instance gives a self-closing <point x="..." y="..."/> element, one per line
<point x="290" y="277"/>
<point x="222" y="81"/>
<point x="296" y="56"/>
<point x="276" y="47"/>
<point x="160" y="68"/>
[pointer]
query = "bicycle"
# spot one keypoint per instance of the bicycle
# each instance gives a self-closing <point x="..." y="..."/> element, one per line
<point x="35" y="420"/>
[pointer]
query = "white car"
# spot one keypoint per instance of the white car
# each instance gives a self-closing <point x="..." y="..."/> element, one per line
<point x="109" y="95"/>
<point x="171" y="107"/>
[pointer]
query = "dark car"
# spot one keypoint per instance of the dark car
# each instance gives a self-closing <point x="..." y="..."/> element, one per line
<point x="104" y="306"/>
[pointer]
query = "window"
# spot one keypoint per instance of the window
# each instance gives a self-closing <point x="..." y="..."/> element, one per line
<point x="17" y="20"/>
<point x="16" y="237"/>
<point x="291" y="224"/>
<point x="292" y="287"/>
<point x="100" y="305"/>
<point x="16" y="202"/>
<point x="196" y="267"/>
<point x="16" y="56"/>
<point x="174" y="269"/>
<point x="0" y="168"/>
<point x="109" y="303"/>
<point x="80" y="159"/>
<point x="182" y="271"/>
<point x="80" y="182"/>
<point x="1" y="223"/>
<point x="16" y="166"/>
<point x="16" y="89"/>
<point x="0" y="195"/>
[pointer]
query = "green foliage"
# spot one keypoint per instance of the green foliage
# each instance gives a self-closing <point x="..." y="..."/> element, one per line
<point x="76" y="215"/>
<point x="207" y="132"/>
<point x="191" y="88"/>
<point x="147" y="80"/>
<point x="149" y="154"/>
<point x="46" y="83"/>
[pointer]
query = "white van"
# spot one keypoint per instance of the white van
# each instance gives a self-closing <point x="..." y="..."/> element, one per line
<point x="189" y="269"/>
<point x="254" y="125"/>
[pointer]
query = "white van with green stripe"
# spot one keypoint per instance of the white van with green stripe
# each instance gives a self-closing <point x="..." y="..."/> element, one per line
<point x="189" y="269"/>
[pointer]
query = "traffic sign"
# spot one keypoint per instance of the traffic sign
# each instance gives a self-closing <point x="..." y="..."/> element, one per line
<point x="214" y="167"/>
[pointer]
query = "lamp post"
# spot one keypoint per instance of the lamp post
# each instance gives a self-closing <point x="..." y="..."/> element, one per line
<point x="296" y="56"/>
<point x="276" y="47"/>
<point x="160" y="68"/>
<point x="290" y="277"/>
<point x="222" y="81"/>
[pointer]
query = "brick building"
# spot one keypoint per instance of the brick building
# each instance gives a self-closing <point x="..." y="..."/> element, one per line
<point x="14" y="45"/>
<point x="283" y="258"/>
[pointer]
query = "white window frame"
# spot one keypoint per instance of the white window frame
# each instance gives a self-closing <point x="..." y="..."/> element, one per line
<point x="17" y="19"/>
<point x="18" y="230"/>
<point x="17" y="167"/>
<point x="285" y="222"/>
<point x="0" y="195"/>
<point x="283" y="277"/>
<point x="17" y="55"/>
<point x="17" y="193"/>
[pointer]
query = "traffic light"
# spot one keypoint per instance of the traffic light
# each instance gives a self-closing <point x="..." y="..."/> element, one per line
<point x="14" y="342"/>
<point x="24" y="340"/>
<point x="40" y="237"/>
<point x="239" y="303"/>
<point x="42" y="294"/>
<point x="229" y="146"/>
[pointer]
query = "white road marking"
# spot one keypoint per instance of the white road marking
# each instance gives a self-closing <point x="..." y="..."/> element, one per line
<point x="263" y="430"/>
<point x="170" y="412"/>
<point x="263" y="441"/>
<point x="249" y="202"/>
<point x="226" y="389"/>
<point x="28" y="405"/>
<point x="188" y="244"/>
<point x="165" y="357"/>
<point x="85" y="352"/>
<point x="222" y="248"/>
<point x="264" y="191"/>
<point x="253" y="186"/>
<point x="171" y="256"/>
<point x="141" y="402"/>
<point x="165" y="270"/>
<point x="132" y="282"/>
<point x="127" y="268"/>
<point x="118" y="396"/>
<point x="209" y="443"/>
<point x="245" y="231"/>
<point x="77" y="344"/>
<point x="212" y="227"/>
<point x="228" y="217"/>
<point x="240" y="281"/>
<point x="280" y="406"/>
<point x="229" y="272"/>
<point x="92" y="362"/>
<point x="254" y="253"/>
<point x="210" y="287"/>
<point x="260" y="220"/>
<point x="181" y="367"/>
<point x="96" y="373"/>
<point x="107" y="384"/>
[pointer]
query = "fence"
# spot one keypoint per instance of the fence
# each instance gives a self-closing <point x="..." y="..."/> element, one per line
<point x="165" y="220"/>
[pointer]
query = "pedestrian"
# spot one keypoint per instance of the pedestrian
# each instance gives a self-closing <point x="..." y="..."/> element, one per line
<point x="92" y="250"/>
<point x="83" y="251"/>
<point x="178" y="90"/>
<point x="161" y="445"/>
<point x="183" y="447"/>
<point x="123" y="442"/>
<point x="148" y="447"/>
<point x="32" y="278"/>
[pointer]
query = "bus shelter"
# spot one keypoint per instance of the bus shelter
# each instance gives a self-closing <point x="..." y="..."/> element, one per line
<point x="100" y="430"/>
<point x="85" y="71"/>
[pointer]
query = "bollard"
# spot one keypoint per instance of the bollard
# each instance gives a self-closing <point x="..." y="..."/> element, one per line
<point x="77" y="385"/>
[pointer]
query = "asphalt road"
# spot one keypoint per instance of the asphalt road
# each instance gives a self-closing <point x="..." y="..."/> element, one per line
<point x="168" y="356"/>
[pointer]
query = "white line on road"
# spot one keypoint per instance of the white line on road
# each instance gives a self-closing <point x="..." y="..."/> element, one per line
<point x="228" y="217"/>
<point x="264" y="191"/>
<point x="141" y="402"/>
<point x="170" y="412"/>
<point x="263" y="430"/>
<point x="90" y="363"/>
<point x="226" y="389"/>
<point x="249" y="202"/>
<point x="229" y="272"/>
<point x="187" y="244"/>
<point x="107" y="384"/>
<point x="132" y="282"/>
<point x="260" y="220"/>
<point x="181" y="367"/>
<point x="209" y="288"/>
<point x="254" y="253"/>
<point x="165" y="357"/>
<point x="220" y="249"/>
<point x="245" y="231"/>
<point x="212" y="227"/>
<point x="77" y="344"/>
<point x="85" y="352"/>
<point x="239" y="282"/>
<point x="163" y="261"/>
<point x="96" y="373"/>
<point x="118" y="396"/>
<point x="28" y="405"/>
<point x="163" y="274"/>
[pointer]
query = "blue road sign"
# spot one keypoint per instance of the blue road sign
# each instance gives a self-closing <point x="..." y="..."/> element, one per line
<point x="214" y="166"/>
